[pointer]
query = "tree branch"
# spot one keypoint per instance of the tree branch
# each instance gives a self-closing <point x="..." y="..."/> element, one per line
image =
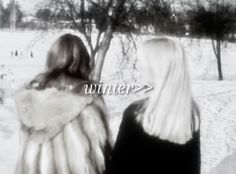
<point x="97" y="41"/>
<point x="82" y="27"/>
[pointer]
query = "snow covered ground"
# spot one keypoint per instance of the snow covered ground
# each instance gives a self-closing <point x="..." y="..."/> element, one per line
<point x="216" y="99"/>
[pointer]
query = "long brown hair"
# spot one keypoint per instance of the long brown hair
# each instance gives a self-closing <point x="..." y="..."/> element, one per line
<point x="67" y="59"/>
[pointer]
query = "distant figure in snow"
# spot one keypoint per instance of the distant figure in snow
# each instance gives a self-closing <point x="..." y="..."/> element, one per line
<point x="64" y="131"/>
<point x="16" y="53"/>
<point x="160" y="134"/>
<point x="31" y="54"/>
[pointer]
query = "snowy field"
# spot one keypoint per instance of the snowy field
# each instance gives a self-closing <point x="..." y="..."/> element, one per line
<point x="216" y="99"/>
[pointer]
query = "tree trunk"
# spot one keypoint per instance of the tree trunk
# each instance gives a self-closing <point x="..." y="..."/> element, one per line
<point x="217" y="51"/>
<point x="219" y="64"/>
<point x="102" y="51"/>
<point x="92" y="61"/>
<point x="1" y="15"/>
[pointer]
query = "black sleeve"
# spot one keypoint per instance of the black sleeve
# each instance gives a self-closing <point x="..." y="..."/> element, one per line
<point x="121" y="152"/>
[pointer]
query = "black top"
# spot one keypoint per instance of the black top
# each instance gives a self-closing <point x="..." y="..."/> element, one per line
<point x="136" y="152"/>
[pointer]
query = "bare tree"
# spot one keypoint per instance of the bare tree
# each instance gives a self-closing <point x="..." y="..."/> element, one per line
<point x="157" y="13"/>
<point x="97" y="20"/>
<point x="215" y="20"/>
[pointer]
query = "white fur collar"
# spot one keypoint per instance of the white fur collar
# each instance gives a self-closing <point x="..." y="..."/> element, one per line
<point x="44" y="113"/>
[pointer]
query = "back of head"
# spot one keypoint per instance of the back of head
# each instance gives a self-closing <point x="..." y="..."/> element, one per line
<point x="68" y="54"/>
<point x="170" y="110"/>
<point x="67" y="59"/>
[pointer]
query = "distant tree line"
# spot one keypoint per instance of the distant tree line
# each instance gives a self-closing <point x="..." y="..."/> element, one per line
<point x="213" y="19"/>
<point x="133" y="15"/>
<point x="7" y="12"/>
<point x="98" y="20"/>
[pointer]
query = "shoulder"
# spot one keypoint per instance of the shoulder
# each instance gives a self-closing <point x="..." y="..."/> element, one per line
<point x="93" y="120"/>
<point x="97" y="106"/>
<point x="95" y="112"/>
<point x="130" y="114"/>
<point x="50" y="103"/>
<point x="134" y="109"/>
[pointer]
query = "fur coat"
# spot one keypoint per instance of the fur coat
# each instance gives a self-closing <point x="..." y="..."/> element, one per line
<point x="62" y="132"/>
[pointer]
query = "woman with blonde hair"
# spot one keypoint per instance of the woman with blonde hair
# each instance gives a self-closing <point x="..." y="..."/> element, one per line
<point x="160" y="134"/>
<point x="64" y="131"/>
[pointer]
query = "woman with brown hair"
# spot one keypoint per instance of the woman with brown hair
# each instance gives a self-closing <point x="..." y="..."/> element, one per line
<point x="64" y="131"/>
<point x="161" y="133"/>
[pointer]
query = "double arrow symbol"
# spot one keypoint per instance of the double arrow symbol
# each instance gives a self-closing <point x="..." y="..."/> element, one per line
<point x="144" y="87"/>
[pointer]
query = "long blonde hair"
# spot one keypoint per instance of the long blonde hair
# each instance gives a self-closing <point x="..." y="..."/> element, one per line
<point x="170" y="111"/>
